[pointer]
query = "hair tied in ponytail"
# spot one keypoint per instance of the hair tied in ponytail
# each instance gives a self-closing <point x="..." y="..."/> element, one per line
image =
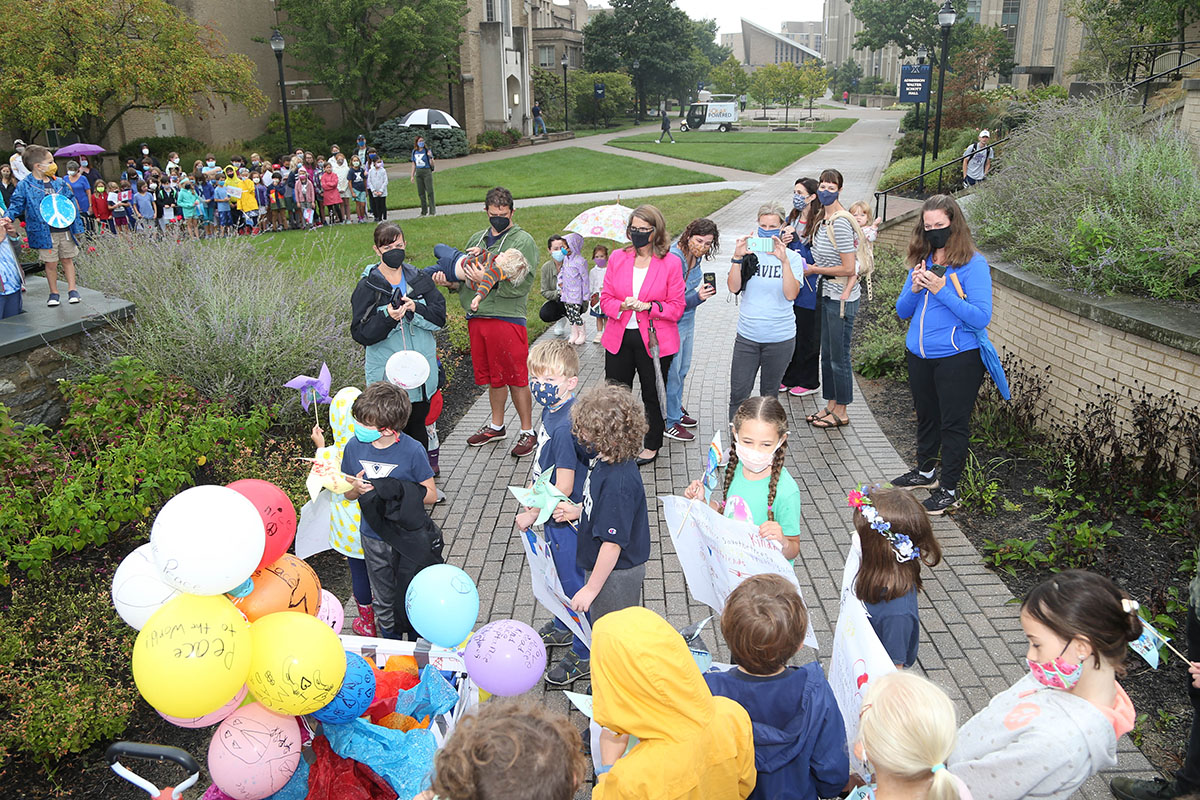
<point x="1129" y="606"/>
<point x="936" y="768"/>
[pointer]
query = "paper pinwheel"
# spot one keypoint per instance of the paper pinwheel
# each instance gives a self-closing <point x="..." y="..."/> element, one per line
<point x="312" y="390"/>
<point x="543" y="495"/>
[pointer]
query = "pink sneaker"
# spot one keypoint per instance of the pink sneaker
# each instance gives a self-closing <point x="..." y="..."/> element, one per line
<point x="799" y="391"/>
<point x="783" y="388"/>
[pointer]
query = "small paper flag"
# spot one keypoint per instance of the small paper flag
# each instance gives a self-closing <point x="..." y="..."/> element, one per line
<point x="712" y="464"/>
<point x="1148" y="643"/>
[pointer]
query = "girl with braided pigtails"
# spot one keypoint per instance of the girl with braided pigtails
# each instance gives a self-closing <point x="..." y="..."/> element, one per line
<point x="758" y="488"/>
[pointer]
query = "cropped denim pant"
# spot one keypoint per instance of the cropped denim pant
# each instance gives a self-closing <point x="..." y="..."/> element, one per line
<point x="837" y="378"/>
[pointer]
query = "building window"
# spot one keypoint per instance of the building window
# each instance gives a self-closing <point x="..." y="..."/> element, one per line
<point x="545" y="55"/>
<point x="1010" y="11"/>
<point x="57" y="137"/>
<point x="489" y="10"/>
<point x="975" y="9"/>
<point x="573" y="54"/>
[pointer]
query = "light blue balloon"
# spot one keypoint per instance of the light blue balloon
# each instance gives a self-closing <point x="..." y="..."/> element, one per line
<point x="355" y="696"/>
<point x="442" y="604"/>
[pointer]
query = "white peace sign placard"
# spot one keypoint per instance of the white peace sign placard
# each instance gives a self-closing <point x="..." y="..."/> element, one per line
<point x="58" y="211"/>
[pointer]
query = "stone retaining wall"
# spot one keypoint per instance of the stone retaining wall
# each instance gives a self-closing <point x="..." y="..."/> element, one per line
<point x="29" y="380"/>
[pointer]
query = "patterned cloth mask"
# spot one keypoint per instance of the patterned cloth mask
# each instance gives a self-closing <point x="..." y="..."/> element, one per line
<point x="544" y="393"/>
<point x="1056" y="674"/>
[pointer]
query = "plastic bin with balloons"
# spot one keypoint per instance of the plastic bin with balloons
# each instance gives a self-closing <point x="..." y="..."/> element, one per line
<point x="237" y="633"/>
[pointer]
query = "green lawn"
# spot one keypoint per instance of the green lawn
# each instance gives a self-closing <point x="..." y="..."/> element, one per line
<point x="762" y="152"/>
<point x="563" y="171"/>
<point x="838" y="124"/>
<point x="351" y="244"/>
<point x="585" y="128"/>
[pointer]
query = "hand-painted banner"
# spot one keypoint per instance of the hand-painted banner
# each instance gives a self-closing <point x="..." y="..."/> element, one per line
<point x="858" y="655"/>
<point x="547" y="587"/>
<point x="717" y="553"/>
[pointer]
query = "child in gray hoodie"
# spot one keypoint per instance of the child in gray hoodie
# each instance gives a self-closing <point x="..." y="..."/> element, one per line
<point x="1057" y="726"/>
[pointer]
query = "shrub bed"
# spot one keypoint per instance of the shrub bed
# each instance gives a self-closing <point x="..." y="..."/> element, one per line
<point x="878" y="350"/>
<point x="395" y="140"/>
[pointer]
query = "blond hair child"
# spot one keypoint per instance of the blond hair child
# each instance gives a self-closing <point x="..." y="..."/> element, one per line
<point x="861" y="211"/>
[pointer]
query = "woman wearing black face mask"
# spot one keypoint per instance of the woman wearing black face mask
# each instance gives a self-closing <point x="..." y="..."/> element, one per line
<point x="948" y="296"/>
<point x="396" y="308"/>
<point x="643" y="291"/>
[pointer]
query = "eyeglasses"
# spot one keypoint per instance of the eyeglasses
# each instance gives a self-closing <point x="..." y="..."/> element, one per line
<point x="641" y="230"/>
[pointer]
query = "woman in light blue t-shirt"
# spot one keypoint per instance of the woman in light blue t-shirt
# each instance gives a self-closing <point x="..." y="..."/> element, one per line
<point x="766" y="330"/>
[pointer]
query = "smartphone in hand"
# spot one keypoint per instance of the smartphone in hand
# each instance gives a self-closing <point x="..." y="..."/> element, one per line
<point x="709" y="278"/>
<point x="760" y="244"/>
<point x="397" y="297"/>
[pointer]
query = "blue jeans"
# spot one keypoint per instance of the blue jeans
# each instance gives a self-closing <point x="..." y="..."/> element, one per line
<point x="538" y="122"/>
<point x="837" y="378"/>
<point x="562" y="539"/>
<point x="679" y="368"/>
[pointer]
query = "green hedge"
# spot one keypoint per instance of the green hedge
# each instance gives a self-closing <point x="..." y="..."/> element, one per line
<point x="396" y="141"/>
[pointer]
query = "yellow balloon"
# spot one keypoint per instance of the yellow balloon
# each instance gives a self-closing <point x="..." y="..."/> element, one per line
<point x="297" y="664"/>
<point x="192" y="655"/>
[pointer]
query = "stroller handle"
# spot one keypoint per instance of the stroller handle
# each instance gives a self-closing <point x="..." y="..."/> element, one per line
<point x="151" y="752"/>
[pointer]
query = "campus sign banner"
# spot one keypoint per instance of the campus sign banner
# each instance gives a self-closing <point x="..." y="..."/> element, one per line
<point x="718" y="553"/>
<point x="858" y="655"/>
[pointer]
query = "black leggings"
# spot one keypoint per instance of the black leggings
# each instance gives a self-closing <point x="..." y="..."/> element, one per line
<point x="630" y="359"/>
<point x="944" y="391"/>
<point x="416" y="423"/>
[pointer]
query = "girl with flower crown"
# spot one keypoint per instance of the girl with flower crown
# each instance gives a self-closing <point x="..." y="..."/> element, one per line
<point x="896" y="539"/>
<point x="758" y="487"/>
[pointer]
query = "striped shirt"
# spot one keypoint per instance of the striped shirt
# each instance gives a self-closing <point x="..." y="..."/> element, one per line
<point x="825" y="255"/>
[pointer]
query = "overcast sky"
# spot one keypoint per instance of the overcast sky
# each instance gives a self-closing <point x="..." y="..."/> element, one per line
<point x="768" y="13"/>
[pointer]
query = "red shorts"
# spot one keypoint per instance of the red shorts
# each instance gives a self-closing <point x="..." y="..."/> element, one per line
<point x="499" y="352"/>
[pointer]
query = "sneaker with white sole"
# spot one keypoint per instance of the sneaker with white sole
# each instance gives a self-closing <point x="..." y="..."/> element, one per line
<point x="569" y="670"/>
<point x="940" y="501"/>
<point x="52" y="301"/>
<point x="485" y="435"/>
<point x="913" y="479"/>
<point x="687" y="422"/>
<point x="554" y="636"/>
<point x="679" y="433"/>
<point x="526" y="444"/>
<point x="799" y="391"/>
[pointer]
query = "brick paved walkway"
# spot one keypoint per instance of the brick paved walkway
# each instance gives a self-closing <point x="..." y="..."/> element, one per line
<point x="971" y="640"/>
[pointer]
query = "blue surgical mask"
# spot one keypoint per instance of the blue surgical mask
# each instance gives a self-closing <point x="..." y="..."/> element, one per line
<point x="558" y="255"/>
<point x="768" y="233"/>
<point x="799" y="202"/>
<point x="365" y="435"/>
<point x="544" y="393"/>
<point x="826" y="198"/>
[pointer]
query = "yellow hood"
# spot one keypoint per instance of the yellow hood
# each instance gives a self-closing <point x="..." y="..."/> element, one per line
<point x="645" y="683"/>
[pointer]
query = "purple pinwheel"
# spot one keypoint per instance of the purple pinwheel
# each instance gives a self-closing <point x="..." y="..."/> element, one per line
<point x="313" y="390"/>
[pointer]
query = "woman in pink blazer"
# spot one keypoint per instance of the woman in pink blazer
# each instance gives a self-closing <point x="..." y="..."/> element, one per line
<point x="643" y="287"/>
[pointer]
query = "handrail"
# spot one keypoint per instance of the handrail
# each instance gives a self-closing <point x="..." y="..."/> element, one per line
<point x="1147" y="81"/>
<point x="938" y="169"/>
<point x="1157" y="49"/>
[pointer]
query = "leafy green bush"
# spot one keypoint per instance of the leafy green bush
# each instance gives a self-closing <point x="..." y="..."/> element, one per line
<point x="1074" y="221"/>
<point x="130" y="441"/>
<point x="879" y="343"/>
<point x="396" y="141"/>
<point x="159" y="146"/>
<point x="66" y="682"/>
<point x="229" y="318"/>
<point x="498" y="139"/>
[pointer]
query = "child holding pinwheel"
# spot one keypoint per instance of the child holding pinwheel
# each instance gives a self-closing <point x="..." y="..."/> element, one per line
<point x="896" y="539"/>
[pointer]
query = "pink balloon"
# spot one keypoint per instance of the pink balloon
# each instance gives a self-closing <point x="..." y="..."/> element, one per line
<point x="213" y="793"/>
<point x="211" y="718"/>
<point x="331" y="611"/>
<point x="254" y="752"/>
<point x="505" y="658"/>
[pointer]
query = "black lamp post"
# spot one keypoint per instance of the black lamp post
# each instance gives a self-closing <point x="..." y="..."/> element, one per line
<point x="946" y="18"/>
<point x="922" y="54"/>
<point x="637" y="90"/>
<point x="566" y="113"/>
<point x="277" y="45"/>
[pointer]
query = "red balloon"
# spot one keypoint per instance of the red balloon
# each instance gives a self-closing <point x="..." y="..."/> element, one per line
<point x="277" y="512"/>
<point x="435" y="407"/>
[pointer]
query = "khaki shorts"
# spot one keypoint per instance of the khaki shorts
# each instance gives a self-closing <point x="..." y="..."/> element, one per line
<point x="61" y="247"/>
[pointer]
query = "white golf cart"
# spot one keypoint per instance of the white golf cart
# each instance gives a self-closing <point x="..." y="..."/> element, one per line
<point x="712" y="112"/>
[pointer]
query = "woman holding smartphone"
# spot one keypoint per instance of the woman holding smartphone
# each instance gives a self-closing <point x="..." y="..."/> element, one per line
<point x="696" y="244"/>
<point x="947" y="296"/>
<point x="394" y="307"/>
<point x="766" y="329"/>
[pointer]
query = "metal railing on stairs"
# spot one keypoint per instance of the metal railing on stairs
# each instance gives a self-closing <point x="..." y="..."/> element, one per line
<point x="1148" y="59"/>
<point x="954" y="184"/>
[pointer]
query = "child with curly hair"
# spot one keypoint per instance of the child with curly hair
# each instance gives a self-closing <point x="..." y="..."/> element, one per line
<point x="614" y="525"/>
<point x="510" y="749"/>
<point x="896" y="539"/>
<point x="758" y="487"/>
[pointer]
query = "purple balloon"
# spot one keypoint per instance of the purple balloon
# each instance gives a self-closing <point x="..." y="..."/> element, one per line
<point x="506" y="658"/>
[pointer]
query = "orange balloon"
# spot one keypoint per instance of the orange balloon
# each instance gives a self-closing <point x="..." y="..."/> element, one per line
<point x="287" y="584"/>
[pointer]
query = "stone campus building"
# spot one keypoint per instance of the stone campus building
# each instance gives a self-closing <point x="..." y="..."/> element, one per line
<point x="491" y="89"/>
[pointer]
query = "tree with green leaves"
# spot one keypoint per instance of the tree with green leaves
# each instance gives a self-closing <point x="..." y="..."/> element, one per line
<point x="811" y="83"/>
<point x="1111" y="27"/>
<point x="777" y="83"/>
<point x="908" y="24"/>
<point x="84" y="65"/>
<point x="618" y="96"/>
<point x="375" y="57"/>
<point x="845" y="77"/>
<point x="729" y="77"/>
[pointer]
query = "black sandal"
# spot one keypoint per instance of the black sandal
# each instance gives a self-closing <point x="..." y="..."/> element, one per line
<point x="825" y="423"/>
<point x="811" y="419"/>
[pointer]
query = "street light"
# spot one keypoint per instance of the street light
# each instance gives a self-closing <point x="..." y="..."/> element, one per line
<point x="277" y="44"/>
<point x="566" y="114"/>
<point x="922" y="54"/>
<point x="637" y="90"/>
<point x="946" y="18"/>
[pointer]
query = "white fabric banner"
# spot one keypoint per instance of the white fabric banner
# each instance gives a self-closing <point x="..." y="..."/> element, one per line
<point x="718" y="553"/>
<point x="312" y="534"/>
<point x="858" y="655"/>
<point x="547" y="588"/>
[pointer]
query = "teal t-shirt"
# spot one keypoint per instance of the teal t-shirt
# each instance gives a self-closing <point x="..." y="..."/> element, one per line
<point x="747" y="501"/>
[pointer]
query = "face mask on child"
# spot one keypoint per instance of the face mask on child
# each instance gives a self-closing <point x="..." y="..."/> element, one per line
<point x="600" y="261"/>
<point x="366" y="435"/>
<point x="1056" y="674"/>
<point x="753" y="460"/>
<point x="558" y="255"/>
<point x="545" y="393"/>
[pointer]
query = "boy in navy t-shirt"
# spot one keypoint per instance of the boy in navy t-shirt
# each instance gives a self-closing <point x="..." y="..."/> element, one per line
<point x="614" y="528"/>
<point x="553" y="376"/>
<point x="381" y="449"/>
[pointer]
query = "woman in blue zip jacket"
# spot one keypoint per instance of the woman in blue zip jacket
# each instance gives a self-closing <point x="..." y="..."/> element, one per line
<point x="947" y="296"/>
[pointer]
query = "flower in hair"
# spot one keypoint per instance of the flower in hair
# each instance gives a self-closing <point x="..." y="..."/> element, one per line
<point x="903" y="545"/>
